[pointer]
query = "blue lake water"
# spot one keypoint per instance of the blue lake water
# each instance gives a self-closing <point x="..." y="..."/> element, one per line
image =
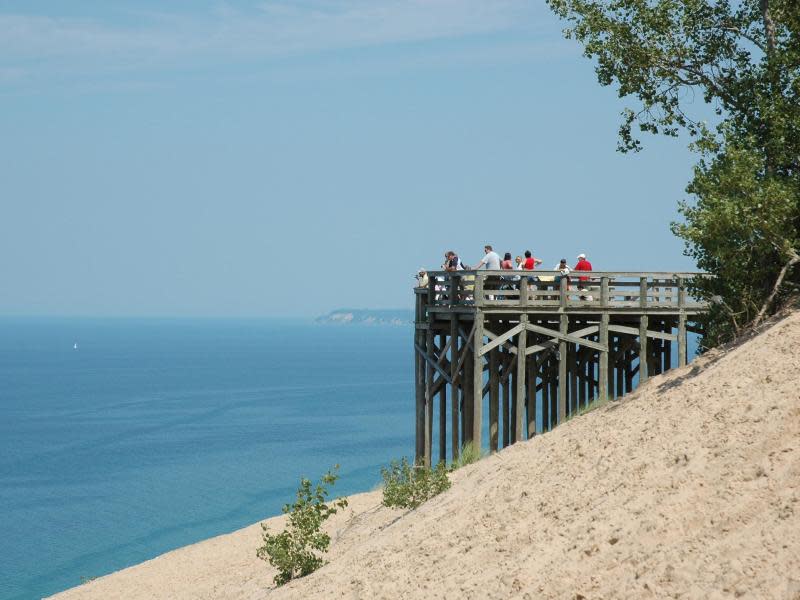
<point x="154" y="434"/>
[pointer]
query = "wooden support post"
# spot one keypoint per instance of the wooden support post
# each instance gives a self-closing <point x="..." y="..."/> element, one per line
<point x="659" y="349"/>
<point x="443" y="409"/>
<point x="454" y="388"/>
<point x="512" y="382"/>
<point x="629" y="356"/>
<point x="477" y="378"/>
<point x="583" y="378"/>
<point x="643" y="354"/>
<point x="682" y="341"/>
<point x="531" y="404"/>
<point x="420" y="404"/>
<point x="430" y="372"/>
<point x="682" y="358"/>
<point x="466" y="406"/>
<point x="602" y="369"/>
<point x="612" y="349"/>
<point x="423" y="300"/>
<point x="494" y="398"/>
<point x="668" y="327"/>
<point x="544" y="370"/>
<point x="522" y="337"/>
<point x="562" y="362"/>
<point x="506" y="409"/>
<point x="554" y="401"/>
<point x="572" y="373"/>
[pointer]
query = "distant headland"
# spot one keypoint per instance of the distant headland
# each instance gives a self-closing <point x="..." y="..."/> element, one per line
<point x="366" y="316"/>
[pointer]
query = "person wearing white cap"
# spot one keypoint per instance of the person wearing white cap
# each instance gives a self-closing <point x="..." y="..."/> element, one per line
<point x="583" y="265"/>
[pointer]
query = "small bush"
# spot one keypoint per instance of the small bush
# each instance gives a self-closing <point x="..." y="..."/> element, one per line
<point x="296" y="550"/>
<point x="408" y="486"/>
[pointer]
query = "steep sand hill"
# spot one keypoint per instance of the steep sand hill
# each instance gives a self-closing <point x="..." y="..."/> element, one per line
<point x="688" y="488"/>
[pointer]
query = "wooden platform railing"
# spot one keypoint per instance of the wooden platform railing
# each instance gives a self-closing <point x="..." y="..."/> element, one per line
<point x="549" y="290"/>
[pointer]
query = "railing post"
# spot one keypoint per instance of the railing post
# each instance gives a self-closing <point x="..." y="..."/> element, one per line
<point x="523" y="291"/>
<point x="563" y="292"/>
<point x="643" y="292"/>
<point x="477" y="292"/>
<point x="604" y="292"/>
<point x="455" y="280"/>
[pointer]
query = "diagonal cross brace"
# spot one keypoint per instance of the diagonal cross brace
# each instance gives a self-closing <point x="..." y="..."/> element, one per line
<point x="566" y="337"/>
<point x="499" y="339"/>
<point x="467" y="344"/>
<point x="432" y="363"/>
<point x="651" y="334"/>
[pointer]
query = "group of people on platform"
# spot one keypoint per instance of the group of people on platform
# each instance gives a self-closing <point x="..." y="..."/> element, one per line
<point x="491" y="261"/>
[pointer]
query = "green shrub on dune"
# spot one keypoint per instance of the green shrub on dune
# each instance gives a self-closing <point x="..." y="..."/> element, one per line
<point x="296" y="550"/>
<point x="407" y="486"/>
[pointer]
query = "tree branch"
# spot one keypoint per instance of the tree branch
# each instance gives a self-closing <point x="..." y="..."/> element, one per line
<point x="795" y="258"/>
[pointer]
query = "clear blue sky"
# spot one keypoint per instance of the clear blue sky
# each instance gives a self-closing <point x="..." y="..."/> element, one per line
<point x="260" y="158"/>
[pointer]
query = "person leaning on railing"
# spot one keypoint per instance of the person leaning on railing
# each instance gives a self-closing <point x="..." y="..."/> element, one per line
<point x="453" y="263"/>
<point x="583" y="265"/>
<point x="563" y="271"/>
<point x="422" y="278"/>
<point x="507" y="265"/>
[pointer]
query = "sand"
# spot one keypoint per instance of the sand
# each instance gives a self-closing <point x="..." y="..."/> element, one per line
<point x="688" y="488"/>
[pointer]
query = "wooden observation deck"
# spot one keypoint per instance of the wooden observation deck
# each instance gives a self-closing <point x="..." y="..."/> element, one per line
<point x="577" y="346"/>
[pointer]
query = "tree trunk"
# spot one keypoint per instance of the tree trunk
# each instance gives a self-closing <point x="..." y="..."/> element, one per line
<point x="769" y="26"/>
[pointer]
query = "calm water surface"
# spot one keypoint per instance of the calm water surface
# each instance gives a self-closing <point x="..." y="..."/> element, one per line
<point x="154" y="434"/>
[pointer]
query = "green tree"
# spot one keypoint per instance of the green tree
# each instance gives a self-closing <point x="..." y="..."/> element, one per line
<point x="737" y="230"/>
<point x="743" y="58"/>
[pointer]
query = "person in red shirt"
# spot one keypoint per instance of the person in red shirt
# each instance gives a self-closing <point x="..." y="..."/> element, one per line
<point x="583" y="265"/>
<point x="530" y="262"/>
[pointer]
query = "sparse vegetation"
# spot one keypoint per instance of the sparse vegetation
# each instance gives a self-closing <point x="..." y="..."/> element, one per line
<point x="296" y="550"/>
<point x="468" y="454"/>
<point x="407" y="486"/>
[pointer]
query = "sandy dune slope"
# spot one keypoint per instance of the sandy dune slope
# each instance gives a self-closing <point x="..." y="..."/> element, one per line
<point x="689" y="488"/>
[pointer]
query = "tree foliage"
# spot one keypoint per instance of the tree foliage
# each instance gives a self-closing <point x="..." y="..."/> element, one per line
<point x="743" y="59"/>
<point x="296" y="551"/>
<point x="739" y="229"/>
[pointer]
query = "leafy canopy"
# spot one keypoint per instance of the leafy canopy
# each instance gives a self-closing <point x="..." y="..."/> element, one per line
<point x="741" y="58"/>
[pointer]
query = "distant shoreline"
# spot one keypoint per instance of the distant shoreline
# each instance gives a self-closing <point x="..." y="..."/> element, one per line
<point x="366" y="316"/>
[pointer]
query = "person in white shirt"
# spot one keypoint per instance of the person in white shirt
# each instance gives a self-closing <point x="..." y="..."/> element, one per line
<point x="490" y="260"/>
<point x="422" y="278"/>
